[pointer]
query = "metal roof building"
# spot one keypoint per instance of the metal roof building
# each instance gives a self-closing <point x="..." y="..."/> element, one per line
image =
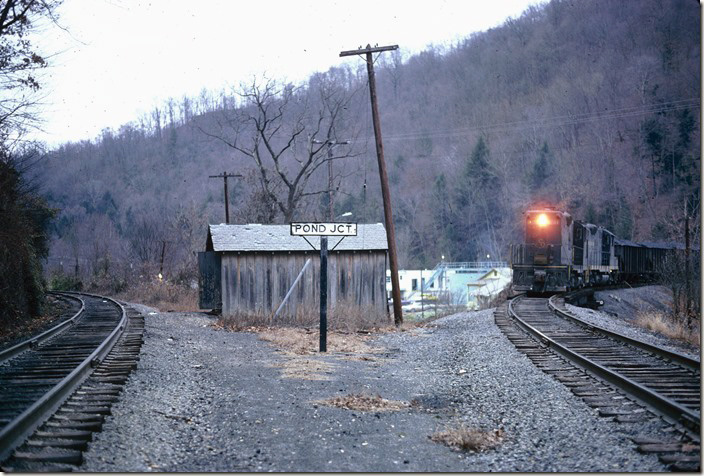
<point x="256" y="237"/>
<point x="251" y="269"/>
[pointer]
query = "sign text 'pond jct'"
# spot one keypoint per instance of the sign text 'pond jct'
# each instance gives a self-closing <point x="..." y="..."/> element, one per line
<point x="324" y="229"/>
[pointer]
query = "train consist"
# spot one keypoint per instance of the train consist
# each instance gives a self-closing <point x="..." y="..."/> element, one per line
<point x="561" y="254"/>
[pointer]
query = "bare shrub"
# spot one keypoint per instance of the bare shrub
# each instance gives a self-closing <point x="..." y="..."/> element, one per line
<point x="244" y="321"/>
<point x="348" y="316"/>
<point x="24" y="328"/>
<point x="497" y="300"/>
<point x="364" y="403"/>
<point x="344" y="316"/>
<point x="162" y="295"/>
<point x="469" y="439"/>
<point x="672" y="328"/>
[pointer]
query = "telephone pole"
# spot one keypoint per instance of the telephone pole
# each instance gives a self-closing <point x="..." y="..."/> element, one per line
<point x="331" y="143"/>
<point x="224" y="176"/>
<point x="687" y="282"/>
<point x="385" y="193"/>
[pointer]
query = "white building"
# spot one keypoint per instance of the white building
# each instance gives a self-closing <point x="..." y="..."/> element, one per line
<point x="455" y="283"/>
<point x="411" y="280"/>
<point x="488" y="287"/>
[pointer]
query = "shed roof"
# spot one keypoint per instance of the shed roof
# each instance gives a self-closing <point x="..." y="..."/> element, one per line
<point x="257" y="237"/>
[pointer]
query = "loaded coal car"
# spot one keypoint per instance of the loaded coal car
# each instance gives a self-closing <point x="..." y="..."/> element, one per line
<point x="560" y="254"/>
<point x="641" y="262"/>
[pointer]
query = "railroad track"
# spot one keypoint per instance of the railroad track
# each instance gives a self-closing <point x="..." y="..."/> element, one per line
<point x="57" y="387"/>
<point x="624" y="379"/>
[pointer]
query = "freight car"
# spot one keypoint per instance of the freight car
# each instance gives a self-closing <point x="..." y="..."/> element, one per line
<point x="640" y="262"/>
<point x="560" y="254"/>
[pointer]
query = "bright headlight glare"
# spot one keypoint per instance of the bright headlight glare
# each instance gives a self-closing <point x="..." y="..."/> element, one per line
<point x="543" y="220"/>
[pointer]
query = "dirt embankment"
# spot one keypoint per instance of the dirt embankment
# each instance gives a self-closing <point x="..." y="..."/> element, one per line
<point x="627" y="304"/>
<point x="649" y="309"/>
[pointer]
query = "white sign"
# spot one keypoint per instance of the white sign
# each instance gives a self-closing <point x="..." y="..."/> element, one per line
<point x="324" y="229"/>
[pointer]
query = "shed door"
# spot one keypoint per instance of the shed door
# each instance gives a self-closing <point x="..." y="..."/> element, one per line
<point x="209" y="280"/>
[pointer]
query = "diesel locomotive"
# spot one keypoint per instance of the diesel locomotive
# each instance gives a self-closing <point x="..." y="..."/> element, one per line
<point x="560" y="254"/>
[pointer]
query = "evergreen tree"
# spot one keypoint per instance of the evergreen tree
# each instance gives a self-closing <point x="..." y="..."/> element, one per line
<point x="542" y="169"/>
<point x="478" y="171"/>
<point x="24" y="227"/>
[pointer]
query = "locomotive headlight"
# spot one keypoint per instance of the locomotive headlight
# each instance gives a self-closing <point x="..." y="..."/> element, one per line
<point x="543" y="220"/>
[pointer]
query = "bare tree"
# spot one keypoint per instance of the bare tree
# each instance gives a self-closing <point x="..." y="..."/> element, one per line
<point x="276" y="128"/>
<point x="19" y="63"/>
<point x="147" y="240"/>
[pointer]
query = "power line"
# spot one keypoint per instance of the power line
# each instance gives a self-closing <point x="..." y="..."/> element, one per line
<point x="553" y="122"/>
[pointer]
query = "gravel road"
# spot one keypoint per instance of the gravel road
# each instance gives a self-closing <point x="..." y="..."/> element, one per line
<point x="209" y="400"/>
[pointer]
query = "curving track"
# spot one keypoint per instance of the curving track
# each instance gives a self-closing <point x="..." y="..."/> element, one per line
<point x="39" y="380"/>
<point x="603" y="367"/>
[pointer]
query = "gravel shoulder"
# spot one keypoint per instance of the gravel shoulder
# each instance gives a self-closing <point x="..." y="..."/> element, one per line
<point x="207" y="400"/>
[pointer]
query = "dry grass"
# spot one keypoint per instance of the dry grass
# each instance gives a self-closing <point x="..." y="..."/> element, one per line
<point x="364" y="403"/>
<point x="662" y="324"/>
<point x="300" y="348"/>
<point x="297" y="367"/>
<point x="344" y="317"/>
<point x="469" y="439"/>
<point x="163" y="295"/>
<point x="306" y="341"/>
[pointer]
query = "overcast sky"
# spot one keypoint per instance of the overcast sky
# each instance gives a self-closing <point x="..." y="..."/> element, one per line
<point x="120" y="58"/>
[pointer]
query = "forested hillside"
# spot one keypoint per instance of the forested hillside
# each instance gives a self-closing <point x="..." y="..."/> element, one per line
<point x="592" y="106"/>
<point x="24" y="214"/>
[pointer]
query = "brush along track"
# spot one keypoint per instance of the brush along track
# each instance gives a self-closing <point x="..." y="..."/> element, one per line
<point x="67" y="318"/>
<point x="626" y="383"/>
<point x="57" y="393"/>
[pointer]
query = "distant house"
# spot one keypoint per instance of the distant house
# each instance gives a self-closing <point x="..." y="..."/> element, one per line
<point x="251" y="268"/>
<point x="481" y="292"/>
<point x="410" y="282"/>
<point x="450" y="281"/>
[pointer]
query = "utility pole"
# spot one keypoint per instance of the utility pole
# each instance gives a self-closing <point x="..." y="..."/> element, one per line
<point x="224" y="176"/>
<point x="385" y="193"/>
<point x="688" y="282"/>
<point x="331" y="144"/>
<point x="422" y="291"/>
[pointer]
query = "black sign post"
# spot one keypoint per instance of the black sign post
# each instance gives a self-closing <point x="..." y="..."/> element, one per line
<point x="324" y="230"/>
<point x="323" y="294"/>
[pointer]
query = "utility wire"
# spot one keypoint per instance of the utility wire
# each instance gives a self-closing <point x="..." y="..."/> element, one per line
<point x="553" y="122"/>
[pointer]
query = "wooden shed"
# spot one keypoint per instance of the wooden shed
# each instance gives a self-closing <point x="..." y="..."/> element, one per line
<point x="251" y="268"/>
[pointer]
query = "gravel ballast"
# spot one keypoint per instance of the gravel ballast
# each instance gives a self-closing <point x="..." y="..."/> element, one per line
<point x="209" y="400"/>
<point x="622" y="306"/>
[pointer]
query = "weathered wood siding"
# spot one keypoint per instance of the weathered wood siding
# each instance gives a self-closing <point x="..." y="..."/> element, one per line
<point x="259" y="282"/>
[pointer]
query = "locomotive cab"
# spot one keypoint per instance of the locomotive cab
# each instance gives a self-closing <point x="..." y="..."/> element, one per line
<point x="541" y="263"/>
<point x="559" y="254"/>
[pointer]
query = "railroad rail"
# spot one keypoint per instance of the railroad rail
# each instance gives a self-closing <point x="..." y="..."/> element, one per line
<point x="39" y="379"/>
<point x="10" y="352"/>
<point x="664" y="382"/>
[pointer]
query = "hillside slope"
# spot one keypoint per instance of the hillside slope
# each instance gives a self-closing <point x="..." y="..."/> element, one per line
<point x="592" y="106"/>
